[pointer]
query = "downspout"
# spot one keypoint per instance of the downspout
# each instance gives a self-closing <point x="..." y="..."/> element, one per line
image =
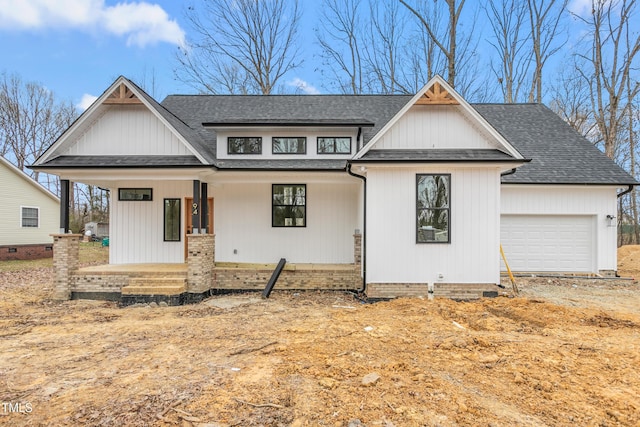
<point x="627" y="191"/>
<point x="510" y="172"/>
<point x="364" y="228"/>
<point x="358" y="137"/>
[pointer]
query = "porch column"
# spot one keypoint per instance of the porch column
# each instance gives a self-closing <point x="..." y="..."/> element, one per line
<point x="200" y="262"/>
<point x="64" y="206"/>
<point x="204" y="211"/>
<point x="65" y="262"/>
<point x="195" y="207"/>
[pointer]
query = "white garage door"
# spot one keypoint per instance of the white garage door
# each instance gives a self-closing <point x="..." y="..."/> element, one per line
<point x="548" y="243"/>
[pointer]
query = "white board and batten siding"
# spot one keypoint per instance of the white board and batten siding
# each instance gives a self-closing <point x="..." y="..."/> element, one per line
<point x="471" y="257"/>
<point x="137" y="227"/>
<point x="17" y="190"/>
<point x="243" y="225"/>
<point x="429" y="127"/>
<point x="559" y="228"/>
<point x="127" y="130"/>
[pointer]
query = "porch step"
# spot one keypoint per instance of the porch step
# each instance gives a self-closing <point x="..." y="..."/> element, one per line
<point x="155" y="286"/>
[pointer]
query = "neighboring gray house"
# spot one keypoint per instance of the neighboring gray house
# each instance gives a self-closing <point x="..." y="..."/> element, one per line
<point x="390" y="194"/>
<point x="28" y="215"/>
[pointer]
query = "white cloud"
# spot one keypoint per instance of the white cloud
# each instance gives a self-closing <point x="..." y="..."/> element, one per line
<point x="580" y="7"/>
<point x="303" y="86"/>
<point x="86" y="101"/>
<point x="141" y="23"/>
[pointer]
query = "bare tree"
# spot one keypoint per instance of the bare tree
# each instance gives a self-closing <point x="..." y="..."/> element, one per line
<point x="613" y="55"/>
<point x="507" y="19"/>
<point x="383" y="51"/>
<point x="448" y="44"/>
<point x="544" y="18"/>
<point x="31" y="119"/>
<point x="340" y="38"/>
<point x="242" y="46"/>
<point x="570" y="100"/>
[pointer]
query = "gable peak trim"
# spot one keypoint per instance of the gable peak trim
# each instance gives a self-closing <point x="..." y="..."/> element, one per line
<point x="122" y="95"/>
<point x="436" y="94"/>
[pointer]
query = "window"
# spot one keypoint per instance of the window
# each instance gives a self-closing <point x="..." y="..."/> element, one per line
<point x="280" y="145"/>
<point x="135" y="194"/>
<point x="244" y="145"/>
<point x="289" y="205"/>
<point x="171" y="220"/>
<point x="334" y="145"/>
<point x="30" y="217"/>
<point x="433" y="208"/>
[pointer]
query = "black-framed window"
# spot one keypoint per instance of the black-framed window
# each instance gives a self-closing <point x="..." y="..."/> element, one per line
<point x="244" y="145"/>
<point x="287" y="145"/>
<point x="334" y="145"/>
<point x="433" y="206"/>
<point x="172" y="220"/>
<point x="135" y="194"/>
<point x="29" y="217"/>
<point x="289" y="205"/>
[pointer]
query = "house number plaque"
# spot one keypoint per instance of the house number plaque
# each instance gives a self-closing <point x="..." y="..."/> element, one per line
<point x="194" y="209"/>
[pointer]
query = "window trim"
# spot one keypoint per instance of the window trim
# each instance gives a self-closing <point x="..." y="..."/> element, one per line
<point x="334" y="146"/>
<point x="273" y="225"/>
<point x="229" y="138"/>
<point x="273" y="138"/>
<point x="126" y="199"/>
<point x="22" y="217"/>
<point x="164" y="219"/>
<point x="448" y="209"/>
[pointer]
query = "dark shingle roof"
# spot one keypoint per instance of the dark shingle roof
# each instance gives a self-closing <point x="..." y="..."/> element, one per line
<point x="437" y="155"/>
<point x="559" y="155"/>
<point x="121" y="162"/>
<point x="370" y="111"/>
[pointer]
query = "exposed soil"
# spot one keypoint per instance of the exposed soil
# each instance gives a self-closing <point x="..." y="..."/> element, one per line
<point x="566" y="352"/>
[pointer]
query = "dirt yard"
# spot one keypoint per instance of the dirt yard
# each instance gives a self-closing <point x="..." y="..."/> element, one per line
<point x="564" y="353"/>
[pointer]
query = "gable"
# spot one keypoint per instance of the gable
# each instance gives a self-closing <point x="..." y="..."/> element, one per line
<point x="437" y="117"/>
<point x="124" y="121"/>
<point x="435" y="127"/>
<point x="125" y="130"/>
<point x="17" y="183"/>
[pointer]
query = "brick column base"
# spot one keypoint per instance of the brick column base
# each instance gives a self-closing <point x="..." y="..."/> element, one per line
<point x="200" y="262"/>
<point x="357" y="249"/>
<point x="66" y="258"/>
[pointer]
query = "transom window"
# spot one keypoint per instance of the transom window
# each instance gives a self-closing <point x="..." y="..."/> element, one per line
<point x="285" y="145"/>
<point x="334" y="145"/>
<point x="29" y="217"/>
<point x="244" y="145"/>
<point x="433" y="208"/>
<point x="133" y="194"/>
<point x="289" y="205"/>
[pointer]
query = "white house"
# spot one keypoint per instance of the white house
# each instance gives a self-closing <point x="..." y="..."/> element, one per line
<point x="29" y="214"/>
<point x="390" y="194"/>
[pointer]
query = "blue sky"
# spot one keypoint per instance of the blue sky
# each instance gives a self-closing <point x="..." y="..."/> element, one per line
<point x="77" y="48"/>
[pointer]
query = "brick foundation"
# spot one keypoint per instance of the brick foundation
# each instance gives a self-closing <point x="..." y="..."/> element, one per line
<point x="440" y="290"/>
<point x="66" y="253"/>
<point x="26" y="252"/>
<point x="293" y="277"/>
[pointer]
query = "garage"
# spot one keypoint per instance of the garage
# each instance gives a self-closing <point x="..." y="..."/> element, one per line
<point x="548" y="243"/>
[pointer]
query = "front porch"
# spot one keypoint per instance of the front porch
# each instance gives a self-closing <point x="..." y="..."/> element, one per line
<point x="199" y="277"/>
